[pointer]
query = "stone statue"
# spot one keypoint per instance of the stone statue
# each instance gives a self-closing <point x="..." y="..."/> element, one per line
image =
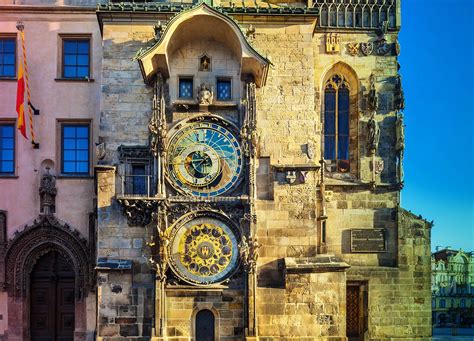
<point x="100" y="151"/>
<point x="399" y="95"/>
<point x="400" y="133"/>
<point x="372" y="100"/>
<point x="373" y="133"/>
<point x="47" y="192"/>
<point x="249" y="253"/>
<point x="205" y="95"/>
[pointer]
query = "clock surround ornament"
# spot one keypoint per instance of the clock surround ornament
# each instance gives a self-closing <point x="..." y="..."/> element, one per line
<point x="205" y="157"/>
<point x="204" y="248"/>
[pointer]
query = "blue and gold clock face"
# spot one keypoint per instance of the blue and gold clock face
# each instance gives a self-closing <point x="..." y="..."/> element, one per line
<point x="204" y="249"/>
<point x="204" y="159"/>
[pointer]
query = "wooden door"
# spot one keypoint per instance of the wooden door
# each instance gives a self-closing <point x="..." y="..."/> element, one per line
<point x="353" y="311"/>
<point x="52" y="299"/>
<point x="356" y="308"/>
<point x="205" y="326"/>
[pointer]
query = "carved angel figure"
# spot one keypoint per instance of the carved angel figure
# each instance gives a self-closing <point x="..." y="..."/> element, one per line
<point x="205" y="96"/>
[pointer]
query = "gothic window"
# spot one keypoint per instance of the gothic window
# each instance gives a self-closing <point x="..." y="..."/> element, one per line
<point x="442" y="303"/>
<point x="205" y="325"/>
<point x="336" y="122"/>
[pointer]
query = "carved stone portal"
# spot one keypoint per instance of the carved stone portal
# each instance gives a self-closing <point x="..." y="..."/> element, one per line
<point x="46" y="234"/>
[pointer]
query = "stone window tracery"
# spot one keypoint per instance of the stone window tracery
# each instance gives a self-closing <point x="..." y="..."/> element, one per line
<point x="336" y="122"/>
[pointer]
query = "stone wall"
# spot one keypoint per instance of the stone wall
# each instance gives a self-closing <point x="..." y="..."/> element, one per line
<point x="290" y="305"/>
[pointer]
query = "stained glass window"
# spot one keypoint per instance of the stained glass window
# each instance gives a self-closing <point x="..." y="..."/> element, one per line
<point x="336" y="122"/>
<point x="75" y="149"/>
<point x="7" y="149"/>
<point x="76" y="58"/>
<point x="7" y="57"/>
<point x="185" y="88"/>
<point x="224" y="92"/>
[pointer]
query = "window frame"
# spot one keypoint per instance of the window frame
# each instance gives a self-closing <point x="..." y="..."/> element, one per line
<point x="336" y="88"/>
<point x="76" y="124"/>
<point x="185" y="78"/>
<point x="12" y="36"/>
<point x="61" y="57"/>
<point x="13" y="124"/>
<point x="223" y="79"/>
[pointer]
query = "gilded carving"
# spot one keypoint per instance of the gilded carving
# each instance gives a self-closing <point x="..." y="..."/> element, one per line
<point x="333" y="41"/>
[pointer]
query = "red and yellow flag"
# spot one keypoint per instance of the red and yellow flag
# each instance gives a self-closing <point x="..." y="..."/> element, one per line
<point x="20" y="101"/>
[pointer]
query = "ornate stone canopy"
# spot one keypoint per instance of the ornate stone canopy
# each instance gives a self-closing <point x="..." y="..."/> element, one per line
<point x="202" y="22"/>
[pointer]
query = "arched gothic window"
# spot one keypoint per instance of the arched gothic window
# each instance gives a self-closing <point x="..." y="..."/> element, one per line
<point x="336" y="122"/>
<point x="205" y="325"/>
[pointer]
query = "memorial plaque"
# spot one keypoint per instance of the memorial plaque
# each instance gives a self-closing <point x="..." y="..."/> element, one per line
<point x="368" y="240"/>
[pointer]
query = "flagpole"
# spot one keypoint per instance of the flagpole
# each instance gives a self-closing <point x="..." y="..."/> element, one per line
<point x="20" y="27"/>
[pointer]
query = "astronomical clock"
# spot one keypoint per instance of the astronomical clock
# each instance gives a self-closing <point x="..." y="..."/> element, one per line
<point x="205" y="169"/>
<point x="204" y="157"/>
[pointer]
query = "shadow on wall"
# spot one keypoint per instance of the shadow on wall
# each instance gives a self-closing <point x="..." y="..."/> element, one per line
<point x="270" y="275"/>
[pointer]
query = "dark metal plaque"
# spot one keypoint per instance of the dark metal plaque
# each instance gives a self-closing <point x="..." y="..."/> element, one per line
<point x="368" y="240"/>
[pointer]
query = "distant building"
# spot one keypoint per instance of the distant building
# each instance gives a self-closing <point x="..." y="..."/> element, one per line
<point x="452" y="286"/>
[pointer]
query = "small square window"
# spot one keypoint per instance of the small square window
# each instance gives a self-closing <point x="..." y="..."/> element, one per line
<point x="224" y="90"/>
<point x="7" y="149"/>
<point x="75" y="149"/>
<point x="7" y="57"/>
<point x="186" y="88"/>
<point x="76" y="58"/>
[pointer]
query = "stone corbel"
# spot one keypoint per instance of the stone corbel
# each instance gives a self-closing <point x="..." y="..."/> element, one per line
<point x="139" y="212"/>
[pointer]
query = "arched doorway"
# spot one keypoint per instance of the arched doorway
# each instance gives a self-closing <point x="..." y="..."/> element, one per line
<point x="205" y="326"/>
<point x="52" y="299"/>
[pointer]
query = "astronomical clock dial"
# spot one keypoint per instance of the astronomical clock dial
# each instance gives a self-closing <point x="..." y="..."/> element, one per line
<point x="204" y="248"/>
<point x="204" y="158"/>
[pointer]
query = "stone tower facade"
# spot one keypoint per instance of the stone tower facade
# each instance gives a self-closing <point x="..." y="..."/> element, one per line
<point x="252" y="177"/>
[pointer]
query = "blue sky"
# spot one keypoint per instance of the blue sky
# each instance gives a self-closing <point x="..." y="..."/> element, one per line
<point x="437" y="63"/>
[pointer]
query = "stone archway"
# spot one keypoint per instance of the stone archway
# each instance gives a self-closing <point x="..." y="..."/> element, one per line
<point x="46" y="234"/>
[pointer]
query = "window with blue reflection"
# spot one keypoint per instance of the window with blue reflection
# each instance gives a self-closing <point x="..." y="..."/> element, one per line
<point x="139" y="180"/>
<point x="442" y="303"/>
<point x="224" y="90"/>
<point x="76" y="58"/>
<point x="75" y="149"/>
<point x="7" y="57"/>
<point x="7" y="149"/>
<point x="336" y="122"/>
<point x="185" y="88"/>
